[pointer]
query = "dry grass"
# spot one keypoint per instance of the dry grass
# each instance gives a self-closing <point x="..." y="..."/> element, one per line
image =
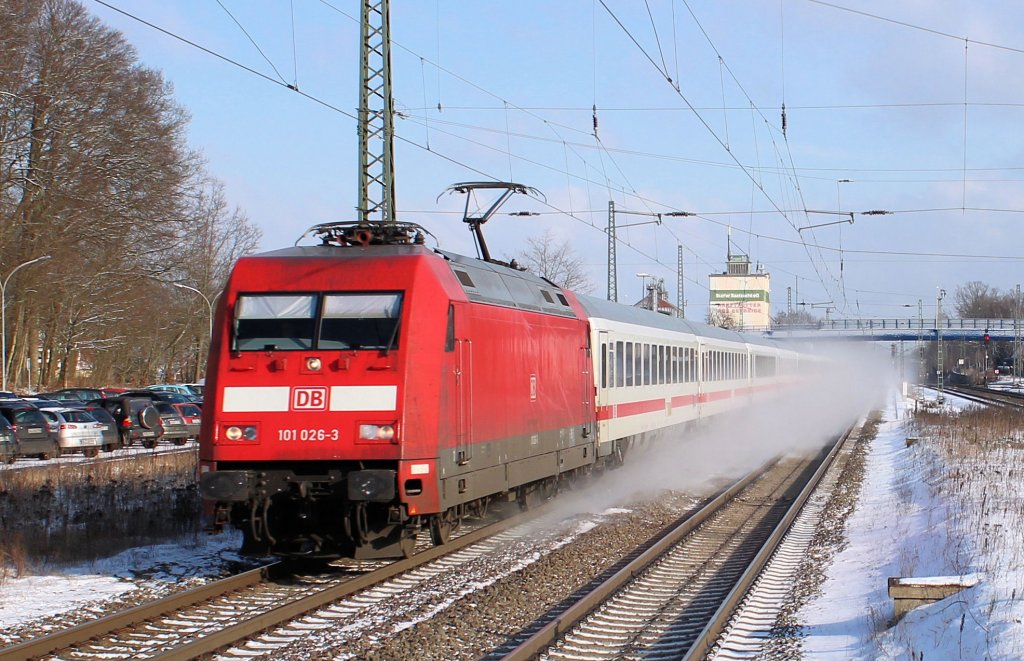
<point x="56" y="513"/>
<point x="981" y="475"/>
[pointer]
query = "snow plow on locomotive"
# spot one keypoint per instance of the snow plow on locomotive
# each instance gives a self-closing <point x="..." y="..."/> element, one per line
<point x="367" y="387"/>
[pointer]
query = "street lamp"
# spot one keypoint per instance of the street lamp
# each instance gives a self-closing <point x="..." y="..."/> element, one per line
<point x="209" y="307"/>
<point x="643" y="279"/>
<point x="209" y="304"/>
<point x="3" y="312"/>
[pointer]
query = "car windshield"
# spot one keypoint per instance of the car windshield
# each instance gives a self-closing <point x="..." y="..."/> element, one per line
<point x="78" y="416"/>
<point x="101" y="415"/>
<point x="27" y="417"/>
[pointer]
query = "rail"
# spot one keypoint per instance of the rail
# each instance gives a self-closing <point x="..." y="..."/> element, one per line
<point x="566" y="621"/>
<point x="194" y="642"/>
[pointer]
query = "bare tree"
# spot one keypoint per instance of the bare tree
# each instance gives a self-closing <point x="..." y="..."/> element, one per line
<point x="722" y="319"/>
<point x="95" y="173"/>
<point x="976" y="300"/>
<point x="795" y="318"/>
<point x="556" y="261"/>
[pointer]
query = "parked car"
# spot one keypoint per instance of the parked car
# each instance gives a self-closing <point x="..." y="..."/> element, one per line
<point x="45" y="403"/>
<point x="175" y="429"/>
<point x="8" y="442"/>
<point x="193" y="416"/>
<point x="77" y="430"/>
<point x="137" y="420"/>
<point x="76" y="394"/>
<point x="108" y="427"/>
<point x="158" y="395"/>
<point x="30" y="429"/>
<point x="180" y="388"/>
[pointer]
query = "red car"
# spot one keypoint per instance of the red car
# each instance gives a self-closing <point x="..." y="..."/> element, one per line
<point x="193" y="416"/>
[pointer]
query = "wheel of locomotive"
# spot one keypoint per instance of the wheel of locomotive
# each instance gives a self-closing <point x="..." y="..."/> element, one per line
<point x="407" y="538"/>
<point x="441" y="526"/>
<point x="527" y="498"/>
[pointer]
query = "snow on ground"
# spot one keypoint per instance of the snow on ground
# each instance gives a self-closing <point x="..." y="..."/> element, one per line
<point x="133" y="452"/>
<point x="928" y="508"/>
<point x="927" y="512"/>
<point x="157" y="567"/>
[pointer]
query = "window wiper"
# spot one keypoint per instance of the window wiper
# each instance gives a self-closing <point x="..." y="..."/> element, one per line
<point x="391" y="341"/>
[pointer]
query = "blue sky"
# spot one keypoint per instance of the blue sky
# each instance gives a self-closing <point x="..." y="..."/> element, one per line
<point x="876" y="119"/>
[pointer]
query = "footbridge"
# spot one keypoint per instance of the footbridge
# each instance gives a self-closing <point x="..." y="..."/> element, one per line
<point x="908" y="329"/>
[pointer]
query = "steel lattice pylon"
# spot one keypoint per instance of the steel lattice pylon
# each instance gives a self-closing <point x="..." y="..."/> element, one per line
<point x="376" y="117"/>
<point x="613" y="276"/>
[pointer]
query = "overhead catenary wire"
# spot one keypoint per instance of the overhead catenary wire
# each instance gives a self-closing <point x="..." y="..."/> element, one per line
<point x="350" y="115"/>
<point x="253" y="41"/>
<point x="914" y="26"/>
<point x="627" y="189"/>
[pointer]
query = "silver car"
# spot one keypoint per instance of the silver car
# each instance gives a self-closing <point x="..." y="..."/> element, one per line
<point x="77" y="430"/>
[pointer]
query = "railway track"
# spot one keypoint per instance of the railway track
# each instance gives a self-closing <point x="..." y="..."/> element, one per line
<point x="982" y="395"/>
<point x="254" y="614"/>
<point x="222" y="613"/>
<point x="675" y="598"/>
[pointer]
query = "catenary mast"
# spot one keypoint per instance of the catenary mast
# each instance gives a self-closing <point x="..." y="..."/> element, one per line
<point x="376" y="116"/>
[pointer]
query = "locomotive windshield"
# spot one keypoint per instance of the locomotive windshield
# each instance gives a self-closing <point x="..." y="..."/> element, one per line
<point x="275" y="322"/>
<point x="283" y="322"/>
<point x="360" y="321"/>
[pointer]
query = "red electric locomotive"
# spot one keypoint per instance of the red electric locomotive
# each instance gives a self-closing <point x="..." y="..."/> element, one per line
<point x="363" y="388"/>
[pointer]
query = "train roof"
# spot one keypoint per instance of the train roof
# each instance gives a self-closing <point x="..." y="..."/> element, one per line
<point x="496" y="284"/>
<point x="603" y="309"/>
<point x="483" y="282"/>
<point x="333" y="252"/>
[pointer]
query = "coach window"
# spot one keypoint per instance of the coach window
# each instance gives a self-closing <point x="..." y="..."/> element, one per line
<point x="604" y="365"/>
<point x="620" y="370"/>
<point x="630" y="367"/>
<point x="360" y="321"/>
<point x="274" y="322"/>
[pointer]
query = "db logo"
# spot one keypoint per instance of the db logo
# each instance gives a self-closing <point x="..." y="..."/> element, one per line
<point x="309" y="399"/>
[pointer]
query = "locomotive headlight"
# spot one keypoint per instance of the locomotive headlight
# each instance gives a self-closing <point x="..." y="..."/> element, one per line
<point x="236" y="433"/>
<point x="376" y="432"/>
<point x="313" y="364"/>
